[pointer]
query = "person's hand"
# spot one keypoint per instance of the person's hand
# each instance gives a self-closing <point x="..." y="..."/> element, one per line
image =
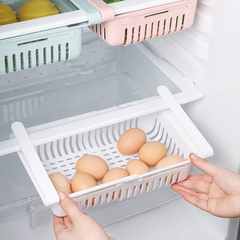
<point x="216" y="192"/>
<point x="77" y="225"/>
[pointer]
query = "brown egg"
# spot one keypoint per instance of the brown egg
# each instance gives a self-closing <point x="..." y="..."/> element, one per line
<point x="131" y="141"/>
<point x="138" y="167"/>
<point x="114" y="174"/>
<point x="168" y="161"/>
<point x="60" y="182"/>
<point x="152" y="152"/>
<point x="92" y="165"/>
<point x="81" y="181"/>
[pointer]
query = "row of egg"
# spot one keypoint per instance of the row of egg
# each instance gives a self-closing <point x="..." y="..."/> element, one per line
<point x="91" y="168"/>
<point x="29" y="10"/>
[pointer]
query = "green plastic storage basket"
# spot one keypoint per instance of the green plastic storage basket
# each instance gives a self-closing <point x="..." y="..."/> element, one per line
<point x="48" y="46"/>
<point x="33" y="50"/>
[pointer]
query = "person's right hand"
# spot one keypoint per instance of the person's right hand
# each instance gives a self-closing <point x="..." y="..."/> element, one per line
<point x="77" y="225"/>
<point x="216" y="192"/>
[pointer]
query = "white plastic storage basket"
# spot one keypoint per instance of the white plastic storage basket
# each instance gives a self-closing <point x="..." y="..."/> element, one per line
<point x="132" y="27"/>
<point x="98" y="135"/>
<point x="45" y="47"/>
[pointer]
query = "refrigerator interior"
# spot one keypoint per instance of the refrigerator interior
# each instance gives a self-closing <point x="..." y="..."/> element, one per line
<point x="50" y="93"/>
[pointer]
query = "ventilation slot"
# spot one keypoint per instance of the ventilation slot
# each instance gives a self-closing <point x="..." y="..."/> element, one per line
<point x="96" y="27"/>
<point x="52" y="54"/>
<point x="171" y="181"/>
<point x="132" y="35"/>
<point x="29" y="59"/>
<point x="86" y="203"/>
<point x="134" y="191"/>
<point x="67" y="51"/>
<point x="160" y="182"/>
<point x="139" y="33"/>
<point x="145" y="33"/>
<point x="22" y="60"/>
<point x="107" y="198"/>
<point x="158" y="28"/>
<point x="114" y="195"/>
<point x="105" y="36"/>
<point x="165" y="180"/>
<point x="154" y="14"/>
<point x="37" y="57"/>
<point x="164" y="26"/>
<point x="59" y="53"/>
<point x="100" y="201"/>
<point x="183" y="21"/>
<point x="152" y="30"/>
<point x="93" y="201"/>
<point x="14" y="63"/>
<point x="170" y="25"/>
<point x="100" y="30"/>
<point x="178" y="176"/>
<point x="6" y="64"/>
<point x="44" y="56"/>
<point x="125" y="39"/>
<point x="128" y="193"/>
<point x="30" y="42"/>
<point x="120" y="194"/>
<point x="176" y="25"/>
<point x="147" y="187"/>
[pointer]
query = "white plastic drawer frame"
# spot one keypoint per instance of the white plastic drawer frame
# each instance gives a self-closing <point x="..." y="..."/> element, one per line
<point x="98" y="135"/>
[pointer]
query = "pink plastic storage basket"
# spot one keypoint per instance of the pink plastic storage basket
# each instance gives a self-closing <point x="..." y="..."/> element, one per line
<point x="144" y="24"/>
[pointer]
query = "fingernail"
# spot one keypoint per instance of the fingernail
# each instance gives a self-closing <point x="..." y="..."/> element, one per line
<point x="194" y="156"/>
<point x="178" y="192"/>
<point x="62" y="195"/>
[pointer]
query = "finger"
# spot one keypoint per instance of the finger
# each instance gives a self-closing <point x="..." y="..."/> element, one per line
<point x="203" y="177"/>
<point x="204" y="165"/>
<point x="110" y="238"/>
<point x="70" y="208"/>
<point x="199" y="185"/>
<point x="178" y="188"/>
<point x="58" y="225"/>
<point x="68" y="222"/>
<point x="202" y="204"/>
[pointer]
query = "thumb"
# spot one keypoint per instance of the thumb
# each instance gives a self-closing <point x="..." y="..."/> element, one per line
<point x="204" y="165"/>
<point x="70" y="208"/>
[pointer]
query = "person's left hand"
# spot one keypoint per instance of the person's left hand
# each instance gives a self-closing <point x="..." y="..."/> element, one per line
<point x="77" y="225"/>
